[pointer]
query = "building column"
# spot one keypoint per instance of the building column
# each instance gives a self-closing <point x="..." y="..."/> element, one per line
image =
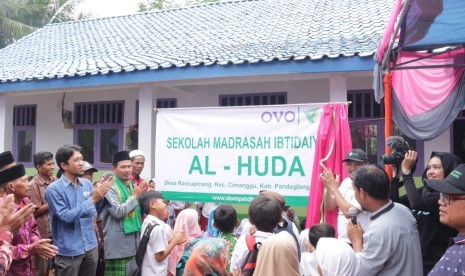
<point x="147" y="129"/>
<point x="337" y="88"/>
<point x="3" y="121"/>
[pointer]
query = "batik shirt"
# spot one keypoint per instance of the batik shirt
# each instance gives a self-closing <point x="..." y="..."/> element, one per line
<point x="24" y="263"/>
<point x="138" y="181"/>
<point x="39" y="185"/>
<point x="6" y="251"/>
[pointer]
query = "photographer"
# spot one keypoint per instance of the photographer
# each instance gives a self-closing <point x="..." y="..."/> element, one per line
<point x="423" y="201"/>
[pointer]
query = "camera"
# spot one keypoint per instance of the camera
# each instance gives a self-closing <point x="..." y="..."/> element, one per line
<point x="399" y="148"/>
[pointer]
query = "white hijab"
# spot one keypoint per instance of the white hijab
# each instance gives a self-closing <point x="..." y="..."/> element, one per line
<point x="336" y="258"/>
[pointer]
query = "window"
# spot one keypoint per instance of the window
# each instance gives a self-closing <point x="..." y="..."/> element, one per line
<point x="253" y="99"/>
<point x="366" y="120"/>
<point x="24" y="133"/>
<point x="99" y="131"/>
<point x="166" y="103"/>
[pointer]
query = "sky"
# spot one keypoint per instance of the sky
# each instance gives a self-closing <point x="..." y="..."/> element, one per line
<point x="106" y="8"/>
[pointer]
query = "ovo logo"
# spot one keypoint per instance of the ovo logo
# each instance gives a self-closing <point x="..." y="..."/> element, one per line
<point x="278" y="116"/>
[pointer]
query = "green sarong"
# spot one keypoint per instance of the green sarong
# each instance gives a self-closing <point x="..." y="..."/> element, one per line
<point x="117" y="267"/>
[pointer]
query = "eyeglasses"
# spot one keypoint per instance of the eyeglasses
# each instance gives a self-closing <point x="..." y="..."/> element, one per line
<point x="448" y="198"/>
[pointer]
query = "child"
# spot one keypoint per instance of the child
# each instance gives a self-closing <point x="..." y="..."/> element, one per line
<point x="187" y="222"/>
<point x="151" y="185"/>
<point x="278" y="256"/>
<point x="264" y="214"/>
<point x="225" y="219"/>
<point x="205" y="209"/>
<point x="209" y="257"/>
<point x="171" y="216"/>
<point x="308" y="262"/>
<point x="162" y="240"/>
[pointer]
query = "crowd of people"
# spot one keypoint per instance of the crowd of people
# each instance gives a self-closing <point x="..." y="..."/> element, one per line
<point x="121" y="225"/>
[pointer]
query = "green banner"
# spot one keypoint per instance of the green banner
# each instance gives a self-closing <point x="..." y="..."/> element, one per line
<point x="229" y="199"/>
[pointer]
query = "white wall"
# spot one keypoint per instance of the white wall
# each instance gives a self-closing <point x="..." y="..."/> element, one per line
<point x="301" y="91"/>
<point x="50" y="131"/>
<point x="51" y="134"/>
<point x="360" y="83"/>
<point x="441" y="143"/>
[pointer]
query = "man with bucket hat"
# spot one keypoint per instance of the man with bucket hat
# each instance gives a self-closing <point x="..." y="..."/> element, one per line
<point x="451" y="212"/>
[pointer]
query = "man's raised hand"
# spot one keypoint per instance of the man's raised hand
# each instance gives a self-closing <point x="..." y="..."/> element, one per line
<point x="12" y="222"/>
<point x="102" y="188"/>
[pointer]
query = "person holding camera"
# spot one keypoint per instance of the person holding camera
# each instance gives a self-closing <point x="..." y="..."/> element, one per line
<point x="423" y="201"/>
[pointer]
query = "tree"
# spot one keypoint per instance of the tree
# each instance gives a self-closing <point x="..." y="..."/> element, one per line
<point x="22" y="17"/>
<point x="148" y="5"/>
<point x="12" y="25"/>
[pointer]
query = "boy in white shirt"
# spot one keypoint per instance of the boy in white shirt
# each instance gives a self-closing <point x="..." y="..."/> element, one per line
<point x="162" y="240"/>
<point x="264" y="214"/>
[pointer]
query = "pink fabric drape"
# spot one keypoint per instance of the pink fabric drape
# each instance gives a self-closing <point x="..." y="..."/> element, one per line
<point x="428" y="87"/>
<point x="389" y="30"/>
<point x="327" y="133"/>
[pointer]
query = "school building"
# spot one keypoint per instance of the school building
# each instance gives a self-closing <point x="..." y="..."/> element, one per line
<point x="90" y="82"/>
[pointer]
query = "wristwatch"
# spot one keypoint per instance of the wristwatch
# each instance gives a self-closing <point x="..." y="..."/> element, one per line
<point x="407" y="172"/>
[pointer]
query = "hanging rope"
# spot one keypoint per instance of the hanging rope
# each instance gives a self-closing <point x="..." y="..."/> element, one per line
<point x="330" y="152"/>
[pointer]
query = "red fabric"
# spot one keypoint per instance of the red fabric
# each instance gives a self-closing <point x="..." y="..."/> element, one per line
<point x="203" y="223"/>
<point x="250" y="241"/>
<point x="327" y="133"/>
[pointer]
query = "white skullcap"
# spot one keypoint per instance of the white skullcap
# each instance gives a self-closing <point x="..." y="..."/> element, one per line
<point x="135" y="153"/>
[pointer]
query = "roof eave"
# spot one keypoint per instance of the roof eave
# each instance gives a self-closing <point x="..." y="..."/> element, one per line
<point x="324" y="65"/>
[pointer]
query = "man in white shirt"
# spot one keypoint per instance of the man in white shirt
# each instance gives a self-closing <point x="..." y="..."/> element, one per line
<point x="342" y="197"/>
<point x="391" y="245"/>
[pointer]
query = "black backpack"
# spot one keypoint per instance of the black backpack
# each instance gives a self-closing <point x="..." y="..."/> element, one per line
<point x="250" y="262"/>
<point x="287" y="226"/>
<point x="135" y="271"/>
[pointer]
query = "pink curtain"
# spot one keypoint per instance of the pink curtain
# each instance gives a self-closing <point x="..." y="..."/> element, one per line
<point x="429" y="87"/>
<point x="328" y="132"/>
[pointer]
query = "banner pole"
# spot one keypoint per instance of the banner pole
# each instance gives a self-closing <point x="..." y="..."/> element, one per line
<point x="388" y="114"/>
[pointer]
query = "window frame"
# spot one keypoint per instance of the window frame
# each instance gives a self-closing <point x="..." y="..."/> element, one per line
<point x="97" y="128"/>
<point x="243" y="98"/>
<point x="31" y="126"/>
<point x="171" y="102"/>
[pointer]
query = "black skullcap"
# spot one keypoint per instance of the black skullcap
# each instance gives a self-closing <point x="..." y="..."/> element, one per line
<point x="120" y="156"/>
<point x="6" y="158"/>
<point x="12" y="173"/>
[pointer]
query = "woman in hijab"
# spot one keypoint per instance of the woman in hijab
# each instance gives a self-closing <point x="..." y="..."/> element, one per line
<point x="187" y="222"/>
<point x="336" y="258"/>
<point x="423" y="201"/>
<point x="278" y="256"/>
<point x="209" y="257"/>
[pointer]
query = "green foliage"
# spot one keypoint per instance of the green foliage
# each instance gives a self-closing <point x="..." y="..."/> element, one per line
<point x="149" y="5"/>
<point x="21" y="17"/>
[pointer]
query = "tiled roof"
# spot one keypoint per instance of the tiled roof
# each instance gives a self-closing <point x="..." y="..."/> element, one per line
<point x="222" y="33"/>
